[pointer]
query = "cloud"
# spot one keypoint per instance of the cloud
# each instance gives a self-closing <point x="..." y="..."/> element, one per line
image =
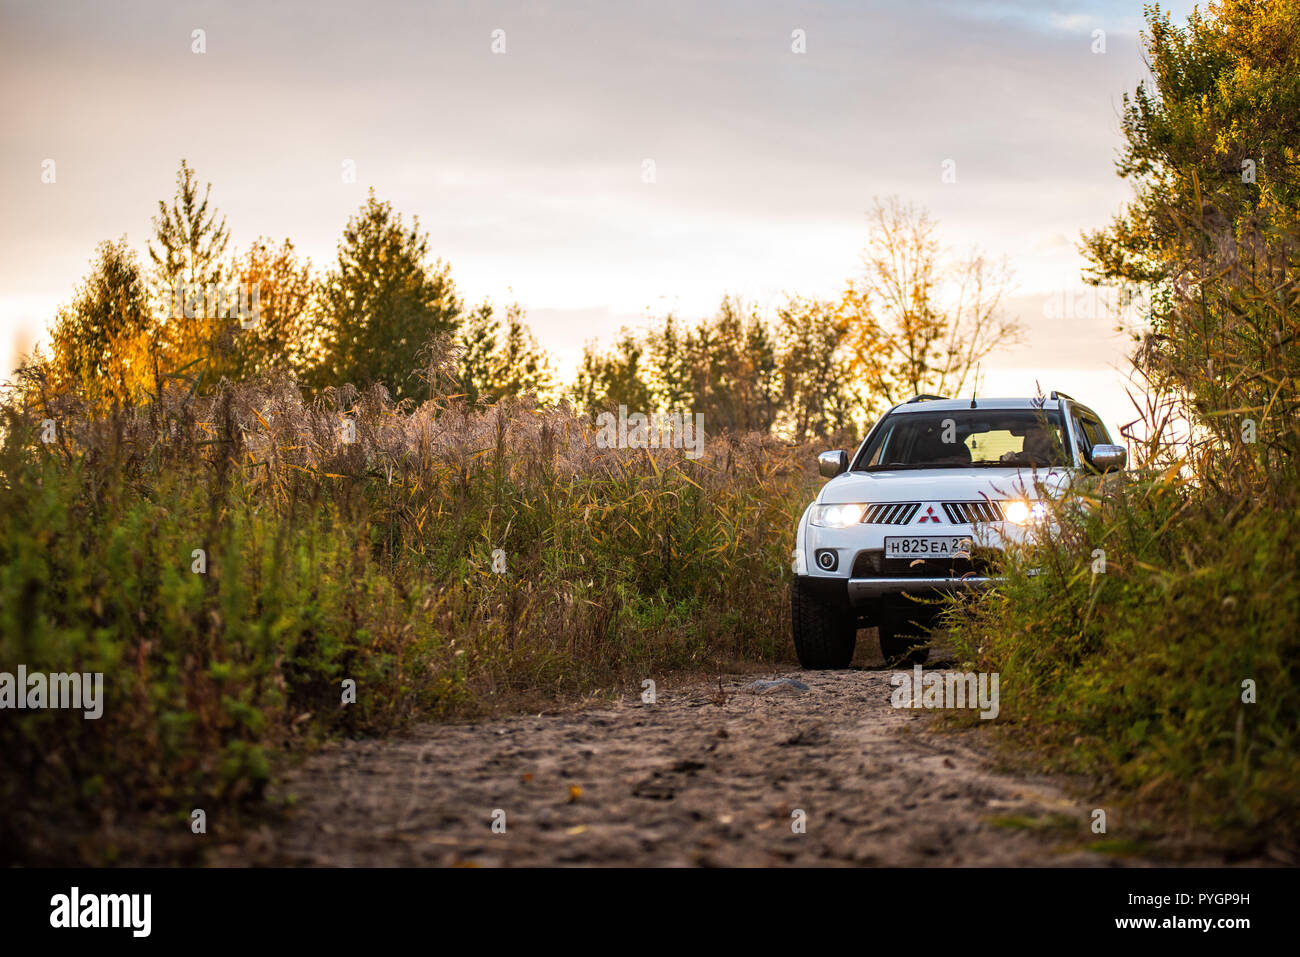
<point x="526" y="168"/>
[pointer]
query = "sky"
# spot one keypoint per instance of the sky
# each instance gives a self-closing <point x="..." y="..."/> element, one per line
<point x="522" y="135"/>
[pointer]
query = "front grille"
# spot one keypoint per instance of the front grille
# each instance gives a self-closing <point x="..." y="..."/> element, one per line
<point x="890" y="513"/>
<point x="971" y="513"/>
<point x="873" y="564"/>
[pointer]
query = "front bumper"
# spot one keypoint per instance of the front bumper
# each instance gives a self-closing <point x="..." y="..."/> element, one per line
<point x="865" y="595"/>
<point x="864" y="577"/>
<point x="865" y="589"/>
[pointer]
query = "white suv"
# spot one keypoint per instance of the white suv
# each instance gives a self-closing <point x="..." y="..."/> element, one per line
<point x="935" y="491"/>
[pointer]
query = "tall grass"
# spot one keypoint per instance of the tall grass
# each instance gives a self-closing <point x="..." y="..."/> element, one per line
<point x="1139" y="674"/>
<point x="330" y="559"/>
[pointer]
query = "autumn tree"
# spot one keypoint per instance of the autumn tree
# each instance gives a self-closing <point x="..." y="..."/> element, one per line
<point x="382" y="302"/>
<point x="103" y="341"/>
<point x="1211" y="234"/>
<point x="283" y="334"/>
<point x="921" y="318"/>
<point x="1210" y="141"/>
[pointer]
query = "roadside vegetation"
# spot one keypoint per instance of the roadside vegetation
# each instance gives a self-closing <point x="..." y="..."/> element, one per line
<point x="1155" y="648"/>
<point x="230" y="561"/>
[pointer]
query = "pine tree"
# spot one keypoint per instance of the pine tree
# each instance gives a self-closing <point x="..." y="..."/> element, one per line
<point x="670" y="360"/>
<point x="191" y="242"/>
<point x="817" y="385"/>
<point x="501" y="363"/>
<point x="606" y="381"/>
<point x="382" y="303"/>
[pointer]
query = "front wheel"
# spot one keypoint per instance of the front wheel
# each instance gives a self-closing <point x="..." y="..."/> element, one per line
<point x="824" y="633"/>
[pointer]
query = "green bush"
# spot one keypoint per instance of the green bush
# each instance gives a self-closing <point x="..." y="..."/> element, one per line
<point x="1134" y="675"/>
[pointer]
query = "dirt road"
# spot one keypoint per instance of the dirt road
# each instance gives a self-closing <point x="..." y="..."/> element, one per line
<point x="689" y="780"/>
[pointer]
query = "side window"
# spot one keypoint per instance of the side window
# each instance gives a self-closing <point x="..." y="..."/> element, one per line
<point x="1089" y="431"/>
<point x="1095" y="431"/>
<point x="1080" y="436"/>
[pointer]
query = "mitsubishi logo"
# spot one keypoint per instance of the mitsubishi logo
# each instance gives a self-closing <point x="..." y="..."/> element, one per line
<point x="929" y="515"/>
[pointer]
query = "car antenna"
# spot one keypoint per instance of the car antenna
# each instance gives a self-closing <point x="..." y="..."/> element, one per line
<point x="972" y="398"/>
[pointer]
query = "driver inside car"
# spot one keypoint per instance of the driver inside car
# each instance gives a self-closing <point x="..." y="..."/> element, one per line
<point x="1038" y="448"/>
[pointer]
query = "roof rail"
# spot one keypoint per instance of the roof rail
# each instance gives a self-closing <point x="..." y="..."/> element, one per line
<point x="1060" y="395"/>
<point x="925" y="398"/>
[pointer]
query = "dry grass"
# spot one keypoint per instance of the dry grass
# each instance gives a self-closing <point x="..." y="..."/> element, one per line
<point x="330" y="558"/>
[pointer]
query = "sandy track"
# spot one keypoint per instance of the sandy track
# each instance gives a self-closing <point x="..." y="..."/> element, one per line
<point x="685" y="781"/>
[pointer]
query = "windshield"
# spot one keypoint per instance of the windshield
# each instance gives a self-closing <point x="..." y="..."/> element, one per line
<point x="994" y="438"/>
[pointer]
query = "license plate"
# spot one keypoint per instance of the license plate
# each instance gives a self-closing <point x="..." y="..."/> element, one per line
<point x="928" y="546"/>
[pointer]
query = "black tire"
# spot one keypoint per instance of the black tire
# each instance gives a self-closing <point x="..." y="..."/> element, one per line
<point x="824" y="634"/>
<point x="903" y="639"/>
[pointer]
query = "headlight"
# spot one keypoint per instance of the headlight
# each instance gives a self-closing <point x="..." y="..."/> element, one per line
<point x="1022" y="513"/>
<point x="837" y="516"/>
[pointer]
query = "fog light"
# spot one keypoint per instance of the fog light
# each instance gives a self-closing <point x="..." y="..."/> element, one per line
<point x="828" y="559"/>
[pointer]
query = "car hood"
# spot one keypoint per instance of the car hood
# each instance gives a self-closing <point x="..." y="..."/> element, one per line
<point x="943" y="485"/>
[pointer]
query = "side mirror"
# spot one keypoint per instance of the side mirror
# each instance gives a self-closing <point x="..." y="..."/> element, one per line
<point x="831" y="464"/>
<point x="1108" y="458"/>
